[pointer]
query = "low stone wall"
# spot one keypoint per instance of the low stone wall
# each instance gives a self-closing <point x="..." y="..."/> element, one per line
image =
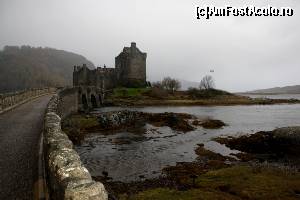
<point x="68" y="102"/>
<point x="67" y="177"/>
<point x="11" y="100"/>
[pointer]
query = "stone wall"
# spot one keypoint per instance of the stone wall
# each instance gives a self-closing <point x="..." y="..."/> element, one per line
<point x="68" y="102"/>
<point x="129" y="71"/>
<point x="11" y="100"/>
<point x="131" y="67"/>
<point x="67" y="177"/>
<point x="99" y="77"/>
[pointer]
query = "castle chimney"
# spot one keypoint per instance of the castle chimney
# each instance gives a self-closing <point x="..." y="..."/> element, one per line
<point x="133" y="45"/>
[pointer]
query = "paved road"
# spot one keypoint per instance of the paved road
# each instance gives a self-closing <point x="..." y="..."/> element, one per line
<point x="20" y="130"/>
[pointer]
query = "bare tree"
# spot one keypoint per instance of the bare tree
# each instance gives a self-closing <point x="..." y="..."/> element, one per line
<point x="175" y="84"/>
<point x="207" y="83"/>
<point x="171" y="84"/>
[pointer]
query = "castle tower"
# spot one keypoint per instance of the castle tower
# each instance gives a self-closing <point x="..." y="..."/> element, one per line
<point x="131" y="67"/>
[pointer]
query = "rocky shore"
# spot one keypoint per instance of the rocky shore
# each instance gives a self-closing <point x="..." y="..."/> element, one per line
<point x="282" y="144"/>
<point x="210" y="176"/>
<point x="213" y="176"/>
<point x="78" y="125"/>
<point x="180" y="177"/>
<point x="266" y="168"/>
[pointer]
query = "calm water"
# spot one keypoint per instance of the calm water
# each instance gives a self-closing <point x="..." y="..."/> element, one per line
<point x="274" y="96"/>
<point x="127" y="155"/>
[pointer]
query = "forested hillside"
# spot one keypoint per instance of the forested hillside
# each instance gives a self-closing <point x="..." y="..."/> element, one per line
<point x="28" y="67"/>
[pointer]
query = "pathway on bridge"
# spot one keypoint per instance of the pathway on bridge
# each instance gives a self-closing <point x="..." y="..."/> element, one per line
<point x="20" y="131"/>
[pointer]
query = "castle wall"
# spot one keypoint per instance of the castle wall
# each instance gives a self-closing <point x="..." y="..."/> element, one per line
<point x="137" y="71"/>
<point x="100" y="77"/>
<point x="129" y="71"/>
<point x="131" y="67"/>
<point x="106" y="78"/>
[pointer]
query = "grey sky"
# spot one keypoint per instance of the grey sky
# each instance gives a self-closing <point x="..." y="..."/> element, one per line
<point x="246" y="53"/>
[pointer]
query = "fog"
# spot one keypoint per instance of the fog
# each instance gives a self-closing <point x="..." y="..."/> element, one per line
<point x="245" y="53"/>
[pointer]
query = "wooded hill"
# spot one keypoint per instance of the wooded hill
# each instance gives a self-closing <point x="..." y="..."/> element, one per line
<point x="29" y="67"/>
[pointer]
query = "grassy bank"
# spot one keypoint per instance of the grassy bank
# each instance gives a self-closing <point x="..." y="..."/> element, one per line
<point x="237" y="182"/>
<point x="158" y="97"/>
<point x="129" y="92"/>
<point x="210" y="177"/>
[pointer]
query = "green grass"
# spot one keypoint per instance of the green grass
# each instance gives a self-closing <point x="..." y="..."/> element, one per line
<point x="238" y="182"/>
<point x="167" y="194"/>
<point x="82" y="122"/>
<point x="76" y="125"/>
<point x="129" y="92"/>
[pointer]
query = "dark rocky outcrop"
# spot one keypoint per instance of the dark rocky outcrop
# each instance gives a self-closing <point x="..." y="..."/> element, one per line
<point x="78" y="125"/>
<point x="209" y="123"/>
<point x="125" y="118"/>
<point x="177" y="121"/>
<point x="280" y="142"/>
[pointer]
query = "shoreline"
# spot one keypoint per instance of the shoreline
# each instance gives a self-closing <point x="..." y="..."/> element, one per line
<point x="186" y="178"/>
<point x="220" y="176"/>
<point x="209" y="102"/>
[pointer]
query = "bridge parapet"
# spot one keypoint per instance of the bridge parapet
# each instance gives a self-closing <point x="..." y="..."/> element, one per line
<point x="67" y="177"/>
<point x="13" y="99"/>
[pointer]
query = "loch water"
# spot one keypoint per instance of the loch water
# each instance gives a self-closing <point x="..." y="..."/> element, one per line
<point x="129" y="155"/>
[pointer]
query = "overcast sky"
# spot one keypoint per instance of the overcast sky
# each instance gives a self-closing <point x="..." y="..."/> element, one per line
<point x="245" y="52"/>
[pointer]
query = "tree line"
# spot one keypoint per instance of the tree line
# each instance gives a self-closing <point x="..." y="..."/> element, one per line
<point x="172" y="85"/>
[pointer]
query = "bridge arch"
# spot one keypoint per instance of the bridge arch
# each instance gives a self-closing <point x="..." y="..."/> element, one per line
<point x="100" y="99"/>
<point x="89" y="97"/>
<point x="94" y="101"/>
<point x="84" y="102"/>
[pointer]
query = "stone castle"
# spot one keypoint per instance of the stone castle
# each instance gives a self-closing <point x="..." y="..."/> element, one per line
<point x="129" y="71"/>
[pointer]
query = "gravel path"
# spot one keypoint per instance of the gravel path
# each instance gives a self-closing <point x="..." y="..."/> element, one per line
<point x="20" y="131"/>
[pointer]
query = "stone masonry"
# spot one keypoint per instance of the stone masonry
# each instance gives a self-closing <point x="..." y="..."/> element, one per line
<point x="11" y="100"/>
<point x="129" y="71"/>
<point x="68" y="179"/>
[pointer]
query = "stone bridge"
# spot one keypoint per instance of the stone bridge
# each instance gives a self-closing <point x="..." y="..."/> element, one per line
<point x="36" y="155"/>
<point x="86" y="97"/>
<point x="89" y="97"/>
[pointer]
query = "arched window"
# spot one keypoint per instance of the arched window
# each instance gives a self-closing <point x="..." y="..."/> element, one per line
<point x="100" y="99"/>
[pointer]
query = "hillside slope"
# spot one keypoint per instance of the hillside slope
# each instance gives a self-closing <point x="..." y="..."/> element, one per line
<point x="28" y="67"/>
<point x="279" y="90"/>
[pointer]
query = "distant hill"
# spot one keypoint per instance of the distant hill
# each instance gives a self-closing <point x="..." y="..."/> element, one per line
<point x="279" y="90"/>
<point x="28" y="67"/>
